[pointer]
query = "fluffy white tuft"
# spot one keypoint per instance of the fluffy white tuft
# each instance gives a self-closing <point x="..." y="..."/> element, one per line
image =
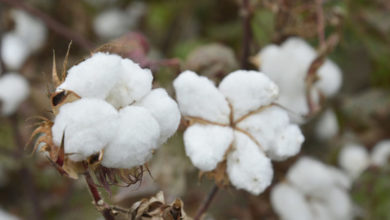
<point x="247" y="166"/>
<point x="247" y="91"/>
<point x="165" y="110"/>
<point x="88" y="124"/>
<point x="135" y="140"/>
<point x="206" y="145"/>
<point x="14" y="89"/>
<point x="13" y="51"/>
<point x="354" y="159"/>
<point x="111" y="23"/>
<point x="287" y="144"/>
<point x="380" y="155"/>
<point x="327" y="127"/>
<point x="197" y="96"/>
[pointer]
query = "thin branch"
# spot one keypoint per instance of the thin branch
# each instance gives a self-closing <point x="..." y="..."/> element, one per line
<point x="207" y="202"/>
<point x="247" y="33"/>
<point x="51" y="23"/>
<point x="320" y="22"/>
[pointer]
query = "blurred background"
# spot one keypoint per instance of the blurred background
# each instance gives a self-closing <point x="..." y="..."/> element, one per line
<point x="208" y="37"/>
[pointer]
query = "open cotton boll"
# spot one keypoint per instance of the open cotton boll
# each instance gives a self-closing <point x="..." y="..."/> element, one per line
<point x="287" y="144"/>
<point x="339" y="204"/>
<point x="165" y="110"/>
<point x="354" y="159"/>
<point x="14" y="89"/>
<point x="247" y="91"/>
<point x="135" y="140"/>
<point x="327" y="127"/>
<point x="94" y="77"/>
<point x="14" y="51"/>
<point x="111" y="23"/>
<point x="289" y="203"/>
<point x="31" y="30"/>
<point x="133" y="84"/>
<point x="330" y="78"/>
<point x="89" y="126"/>
<point x="247" y="166"/>
<point x="206" y="145"/>
<point x="380" y="155"/>
<point x="197" y="96"/>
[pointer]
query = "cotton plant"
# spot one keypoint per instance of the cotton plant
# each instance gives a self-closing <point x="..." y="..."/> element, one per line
<point x="14" y="89"/>
<point x="27" y="37"/>
<point x="107" y="118"/>
<point x="235" y="130"/>
<point x="288" y="64"/>
<point x="313" y="190"/>
<point x="355" y="159"/>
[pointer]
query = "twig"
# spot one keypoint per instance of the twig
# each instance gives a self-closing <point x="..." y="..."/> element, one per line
<point x="320" y="23"/>
<point x="207" y="202"/>
<point x="247" y="34"/>
<point x="51" y="23"/>
<point x="98" y="201"/>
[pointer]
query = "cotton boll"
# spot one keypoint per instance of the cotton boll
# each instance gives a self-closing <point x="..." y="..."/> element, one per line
<point x="381" y="153"/>
<point x="133" y="84"/>
<point x="338" y="204"/>
<point x="31" y="30"/>
<point x="111" y="23"/>
<point x="165" y="110"/>
<point x="89" y="126"/>
<point x="310" y="176"/>
<point x="354" y="160"/>
<point x="287" y="144"/>
<point x="327" y="127"/>
<point x="14" y="89"/>
<point x="289" y="203"/>
<point x="330" y="78"/>
<point x="247" y="91"/>
<point x="206" y="145"/>
<point x="320" y="210"/>
<point x="247" y="166"/>
<point x="265" y="125"/>
<point x="197" y="96"/>
<point x="14" y="51"/>
<point x="135" y="140"/>
<point x="94" y="77"/>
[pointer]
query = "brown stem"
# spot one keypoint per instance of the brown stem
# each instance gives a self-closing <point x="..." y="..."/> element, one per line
<point x="99" y="202"/>
<point x="320" y="22"/>
<point x="247" y="34"/>
<point x="51" y="23"/>
<point x="207" y="202"/>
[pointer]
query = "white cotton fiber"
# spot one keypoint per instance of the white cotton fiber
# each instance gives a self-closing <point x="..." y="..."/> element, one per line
<point x="354" y="159"/>
<point x="165" y="110"/>
<point x="13" y="51"/>
<point x="380" y="155"/>
<point x="111" y="23"/>
<point x="247" y="91"/>
<point x="94" y="77"/>
<point x="288" y="143"/>
<point x="14" y="89"/>
<point x="89" y="126"/>
<point x="327" y="127"/>
<point x="339" y="204"/>
<point x="133" y="84"/>
<point x="206" y="145"/>
<point x="330" y="78"/>
<point x="247" y="166"/>
<point x="290" y="203"/>
<point x="197" y="96"/>
<point x="7" y="216"/>
<point x="135" y="140"/>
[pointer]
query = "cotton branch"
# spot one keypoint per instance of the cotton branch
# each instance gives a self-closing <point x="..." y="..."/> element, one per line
<point x="51" y="23"/>
<point x="207" y="202"/>
<point x="246" y="14"/>
<point x="320" y="22"/>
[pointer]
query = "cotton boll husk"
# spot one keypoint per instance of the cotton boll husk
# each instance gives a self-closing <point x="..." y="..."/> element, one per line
<point x="327" y="127"/>
<point x="89" y="126"/>
<point x="206" y="145"/>
<point x="134" y="83"/>
<point x="310" y="176"/>
<point x="31" y="30"/>
<point x="14" y="51"/>
<point x="287" y="144"/>
<point x="14" y="89"/>
<point x="247" y="91"/>
<point x="354" y="159"/>
<point x="197" y="96"/>
<point x="135" y="140"/>
<point x="289" y="203"/>
<point x="381" y="153"/>
<point x="111" y="23"/>
<point x="247" y="166"/>
<point x="165" y="110"/>
<point x="338" y="204"/>
<point x="330" y="78"/>
<point x="94" y="77"/>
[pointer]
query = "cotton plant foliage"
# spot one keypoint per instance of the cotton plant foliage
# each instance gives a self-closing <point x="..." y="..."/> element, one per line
<point x="313" y="190"/>
<point x="235" y="129"/>
<point x="287" y="65"/>
<point x="106" y="110"/>
<point x="14" y="89"/>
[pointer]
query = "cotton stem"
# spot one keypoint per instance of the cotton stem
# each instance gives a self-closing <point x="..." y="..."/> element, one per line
<point x="207" y="202"/>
